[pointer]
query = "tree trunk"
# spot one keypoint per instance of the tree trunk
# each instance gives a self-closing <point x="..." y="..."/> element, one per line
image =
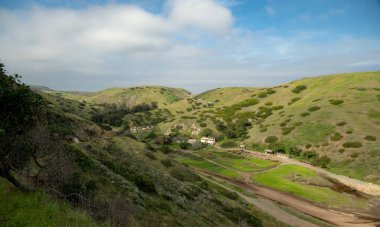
<point x="5" y="173"/>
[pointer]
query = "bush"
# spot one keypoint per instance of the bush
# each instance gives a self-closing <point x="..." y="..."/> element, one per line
<point x="145" y="184"/>
<point x="283" y="124"/>
<point x="352" y="144"/>
<point x="370" y="138"/>
<point x="151" y="155"/>
<point x="166" y="149"/>
<point x="203" y="124"/>
<point x="184" y="145"/>
<point x="341" y="150"/>
<point x="206" y="132"/>
<point x="229" y="194"/>
<point x="228" y="144"/>
<point x="336" y="101"/>
<point x="354" y="155"/>
<point x="308" y="145"/>
<point x="271" y="139"/>
<point x="166" y="162"/>
<point x="336" y="137"/>
<point x="349" y="132"/>
<point x="314" y="108"/>
<point x="342" y="123"/>
<point x="322" y="161"/>
<point x="309" y="154"/>
<point x="269" y="103"/>
<point x="304" y="114"/>
<point x="296" y="99"/>
<point x="299" y="88"/>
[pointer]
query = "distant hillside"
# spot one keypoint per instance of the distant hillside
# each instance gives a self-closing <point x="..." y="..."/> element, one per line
<point x="128" y="96"/>
<point x="335" y="116"/>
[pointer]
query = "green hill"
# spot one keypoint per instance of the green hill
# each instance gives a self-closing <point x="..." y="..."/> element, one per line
<point x="335" y="116"/>
<point x="128" y="96"/>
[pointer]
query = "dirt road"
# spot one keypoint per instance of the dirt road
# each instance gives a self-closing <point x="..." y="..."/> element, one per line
<point x="331" y="216"/>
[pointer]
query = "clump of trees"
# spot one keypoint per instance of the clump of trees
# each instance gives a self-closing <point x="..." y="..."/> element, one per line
<point x="299" y="88"/>
<point x="113" y="115"/>
<point x="22" y="131"/>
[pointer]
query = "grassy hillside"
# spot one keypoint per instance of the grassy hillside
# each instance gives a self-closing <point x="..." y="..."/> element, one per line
<point x="333" y="121"/>
<point x="127" y="96"/>
<point x="37" y="209"/>
<point x="333" y="116"/>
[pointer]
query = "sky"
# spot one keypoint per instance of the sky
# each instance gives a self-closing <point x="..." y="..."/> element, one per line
<point x="193" y="44"/>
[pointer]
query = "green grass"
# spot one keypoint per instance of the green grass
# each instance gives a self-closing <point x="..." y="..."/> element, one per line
<point x="279" y="179"/>
<point x="208" y="166"/>
<point x="36" y="209"/>
<point x="238" y="162"/>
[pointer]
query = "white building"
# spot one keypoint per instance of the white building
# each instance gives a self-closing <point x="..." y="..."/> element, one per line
<point x="208" y="140"/>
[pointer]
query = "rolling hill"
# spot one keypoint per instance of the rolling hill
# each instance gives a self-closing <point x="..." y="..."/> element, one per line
<point x="332" y="120"/>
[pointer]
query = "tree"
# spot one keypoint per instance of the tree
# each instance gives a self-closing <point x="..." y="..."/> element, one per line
<point x="206" y="132"/>
<point x="19" y="117"/>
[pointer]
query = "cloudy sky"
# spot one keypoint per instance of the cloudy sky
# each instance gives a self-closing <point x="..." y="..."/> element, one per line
<point x="193" y="44"/>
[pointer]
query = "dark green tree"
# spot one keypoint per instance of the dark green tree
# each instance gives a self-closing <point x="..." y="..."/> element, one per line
<point x="19" y="117"/>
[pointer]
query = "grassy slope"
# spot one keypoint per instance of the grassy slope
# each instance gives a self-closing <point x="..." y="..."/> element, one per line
<point x="37" y="209"/>
<point x="131" y="96"/>
<point x="360" y="110"/>
<point x="280" y="179"/>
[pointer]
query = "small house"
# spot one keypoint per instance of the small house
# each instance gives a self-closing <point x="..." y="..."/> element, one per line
<point x="267" y="151"/>
<point x="192" y="141"/>
<point x="208" y="140"/>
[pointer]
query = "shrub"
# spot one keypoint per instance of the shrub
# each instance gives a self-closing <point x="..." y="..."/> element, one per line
<point x="184" y="145"/>
<point x="287" y="130"/>
<point x="309" y="154"/>
<point x="263" y="130"/>
<point x="314" y="108"/>
<point x="299" y="88"/>
<point x="336" y="137"/>
<point x="203" y="124"/>
<point x="322" y="161"/>
<point x="271" y="139"/>
<point x="341" y="150"/>
<point x="229" y="194"/>
<point x="151" y="155"/>
<point x="206" y="132"/>
<point x="342" y="123"/>
<point x="166" y="149"/>
<point x="269" y="103"/>
<point x="352" y="144"/>
<point x="229" y="144"/>
<point x="336" y="101"/>
<point x="277" y="107"/>
<point x="298" y="123"/>
<point x="283" y="124"/>
<point x="370" y="138"/>
<point x="354" y="155"/>
<point x="304" y="114"/>
<point x="296" y="99"/>
<point x="145" y="184"/>
<point x="349" y="132"/>
<point x="262" y="95"/>
<point x="166" y="162"/>
<point x="308" y="145"/>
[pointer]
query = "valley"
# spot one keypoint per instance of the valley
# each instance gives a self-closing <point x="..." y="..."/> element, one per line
<point x="304" y="153"/>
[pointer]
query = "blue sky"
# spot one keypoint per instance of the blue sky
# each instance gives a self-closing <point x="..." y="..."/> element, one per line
<point x="193" y="44"/>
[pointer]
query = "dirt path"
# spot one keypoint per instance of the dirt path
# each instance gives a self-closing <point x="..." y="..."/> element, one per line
<point x="331" y="216"/>
<point x="268" y="207"/>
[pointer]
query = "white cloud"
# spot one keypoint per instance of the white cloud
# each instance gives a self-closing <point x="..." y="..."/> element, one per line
<point x="191" y="44"/>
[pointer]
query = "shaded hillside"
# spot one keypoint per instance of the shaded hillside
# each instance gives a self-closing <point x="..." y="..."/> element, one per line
<point x="67" y="165"/>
